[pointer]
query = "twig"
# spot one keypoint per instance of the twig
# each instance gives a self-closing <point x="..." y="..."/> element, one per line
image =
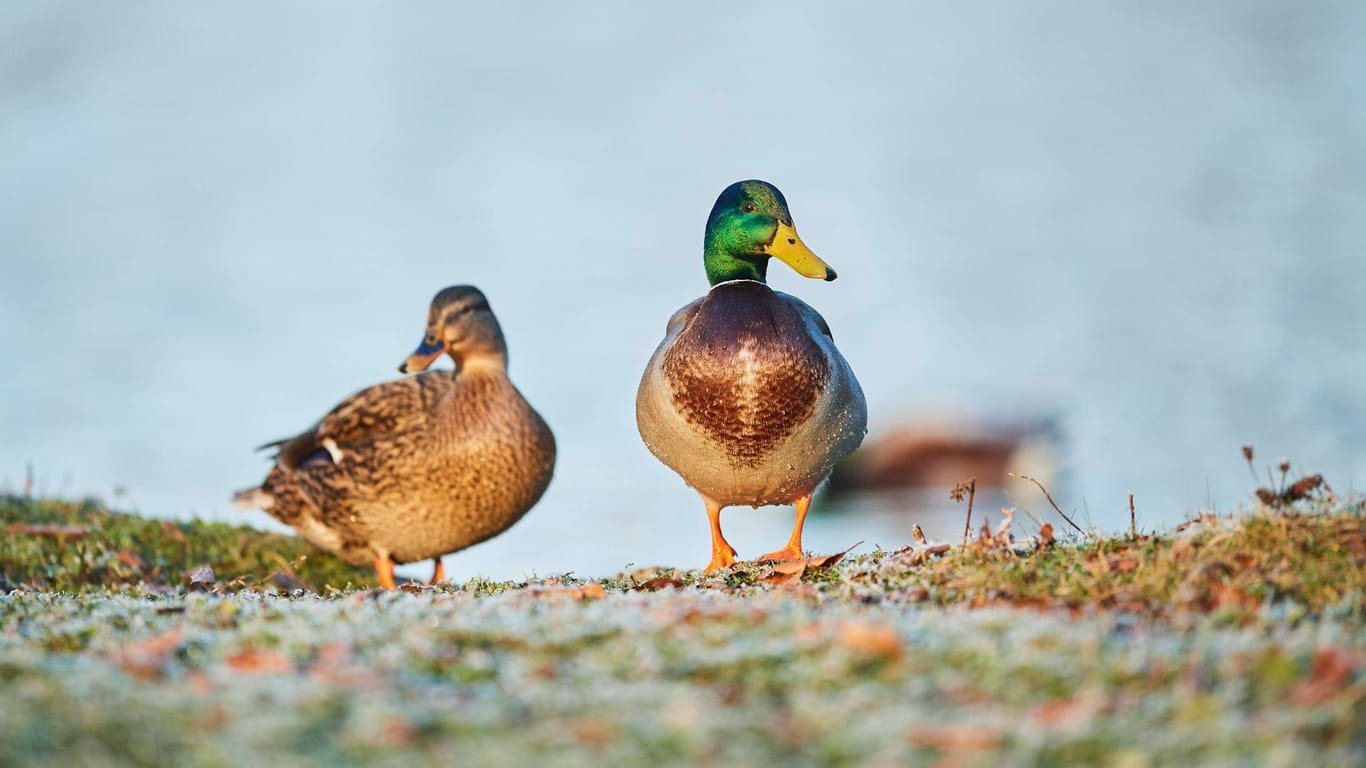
<point x="1133" y="526"/>
<point x="1049" y="496"/>
<point x="968" y="487"/>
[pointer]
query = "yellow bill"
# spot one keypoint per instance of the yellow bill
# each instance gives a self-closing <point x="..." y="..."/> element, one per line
<point x="788" y="248"/>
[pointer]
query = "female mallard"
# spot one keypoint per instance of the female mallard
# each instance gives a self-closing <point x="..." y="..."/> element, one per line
<point x="747" y="397"/>
<point x="422" y="466"/>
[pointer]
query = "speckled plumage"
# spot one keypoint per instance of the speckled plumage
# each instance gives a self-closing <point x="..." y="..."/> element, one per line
<point x="422" y="466"/>
<point x="747" y="397"/>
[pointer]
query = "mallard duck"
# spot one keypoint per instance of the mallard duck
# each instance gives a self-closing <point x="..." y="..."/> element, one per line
<point x="747" y="397"/>
<point x="422" y="466"/>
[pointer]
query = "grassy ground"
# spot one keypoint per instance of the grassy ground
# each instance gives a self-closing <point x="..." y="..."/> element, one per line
<point x="1228" y="641"/>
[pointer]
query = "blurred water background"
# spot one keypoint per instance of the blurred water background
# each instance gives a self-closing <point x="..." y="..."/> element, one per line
<point x="1145" y="221"/>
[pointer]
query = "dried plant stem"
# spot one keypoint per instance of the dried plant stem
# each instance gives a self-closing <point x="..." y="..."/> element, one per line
<point x="972" y="494"/>
<point x="969" y="488"/>
<point x="1049" y="496"/>
<point x="1133" y="525"/>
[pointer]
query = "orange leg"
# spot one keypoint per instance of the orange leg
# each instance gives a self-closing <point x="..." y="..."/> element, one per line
<point x="793" y="550"/>
<point x="438" y="572"/>
<point x="722" y="553"/>
<point x="384" y="569"/>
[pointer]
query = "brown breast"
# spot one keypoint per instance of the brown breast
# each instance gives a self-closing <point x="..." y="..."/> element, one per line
<point x="745" y="371"/>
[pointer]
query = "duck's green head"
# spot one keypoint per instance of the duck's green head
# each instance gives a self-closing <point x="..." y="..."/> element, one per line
<point x="749" y="225"/>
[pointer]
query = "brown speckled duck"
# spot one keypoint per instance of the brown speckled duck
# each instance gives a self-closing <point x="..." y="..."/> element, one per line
<point x="747" y="397"/>
<point x="422" y="466"/>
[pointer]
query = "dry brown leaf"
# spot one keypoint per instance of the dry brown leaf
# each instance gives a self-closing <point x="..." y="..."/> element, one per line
<point x="1333" y="672"/>
<point x="1068" y="714"/>
<point x="287" y="581"/>
<point x="1046" y="535"/>
<point x="593" y="591"/>
<point x="917" y="594"/>
<point x="1123" y="564"/>
<point x="1226" y="596"/>
<point x="874" y="641"/>
<point x="821" y="562"/>
<point x="253" y="660"/>
<point x="59" y="531"/>
<point x="131" y="559"/>
<point x="590" y="592"/>
<point x="147" y="659"/>
<point x="955" y="738"/>
<point x="397" y="733"/>
<point x="785" y="573"/>
<point x="174" y="531"/>
<point x="658" y="583"/>
<point x="593" y="733"/>
<point x="201" y="576"/>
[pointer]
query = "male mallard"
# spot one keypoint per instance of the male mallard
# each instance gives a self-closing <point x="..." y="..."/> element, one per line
<point x="422" y="466"/>
<point x="747" y="397"/>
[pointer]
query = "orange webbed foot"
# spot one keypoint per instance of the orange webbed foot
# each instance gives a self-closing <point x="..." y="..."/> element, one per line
<point x="720" y="559"/>
<point x="722" y="553"/>
<point x="786" y="553"/>
<point x="793" y="550"/>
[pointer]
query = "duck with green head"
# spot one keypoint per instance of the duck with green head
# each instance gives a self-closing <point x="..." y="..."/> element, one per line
<point x="747" y="397"/>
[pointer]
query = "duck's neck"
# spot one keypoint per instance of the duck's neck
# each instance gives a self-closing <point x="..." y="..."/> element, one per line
<point x="486" y="361"/>
<point x="723" y="266"/>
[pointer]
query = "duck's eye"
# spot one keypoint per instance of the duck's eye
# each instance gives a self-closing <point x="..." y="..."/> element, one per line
<point x="747" y="207"/>
<point x="431" y="339"/>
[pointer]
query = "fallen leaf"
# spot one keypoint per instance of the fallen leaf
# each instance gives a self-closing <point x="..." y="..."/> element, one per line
<point x="955" y="738"/>
<point x="287" y="581"/>
<point x="593" y="733"/>
<point x="821" y="562"/>
<point x="658" y="583"/>
<point x="147" y="659"/>
<point x="784" y="573"/>
<point x="174" y="531"/>
<point x="592" y="591"/>
<point x="397" y="733"/>
<point x="131" y="559"/>
<point x="1123" y="564"/>
<point x="1046" y="535"/>
<point x="201" y="576"/>
<point x="874" y="641"/>
<point x="917" y="594"/>
<point x="252" y="660"/>
<point x="1333" y="672"/>
<point x="1068" y="714"/>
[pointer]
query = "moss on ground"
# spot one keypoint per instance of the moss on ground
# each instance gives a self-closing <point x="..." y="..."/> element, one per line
<point x="1228" y="641"/>
<point x="68" y="546"/>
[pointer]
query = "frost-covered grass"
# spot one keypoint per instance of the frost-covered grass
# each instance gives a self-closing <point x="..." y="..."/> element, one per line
<point x="1228" y="642"/>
